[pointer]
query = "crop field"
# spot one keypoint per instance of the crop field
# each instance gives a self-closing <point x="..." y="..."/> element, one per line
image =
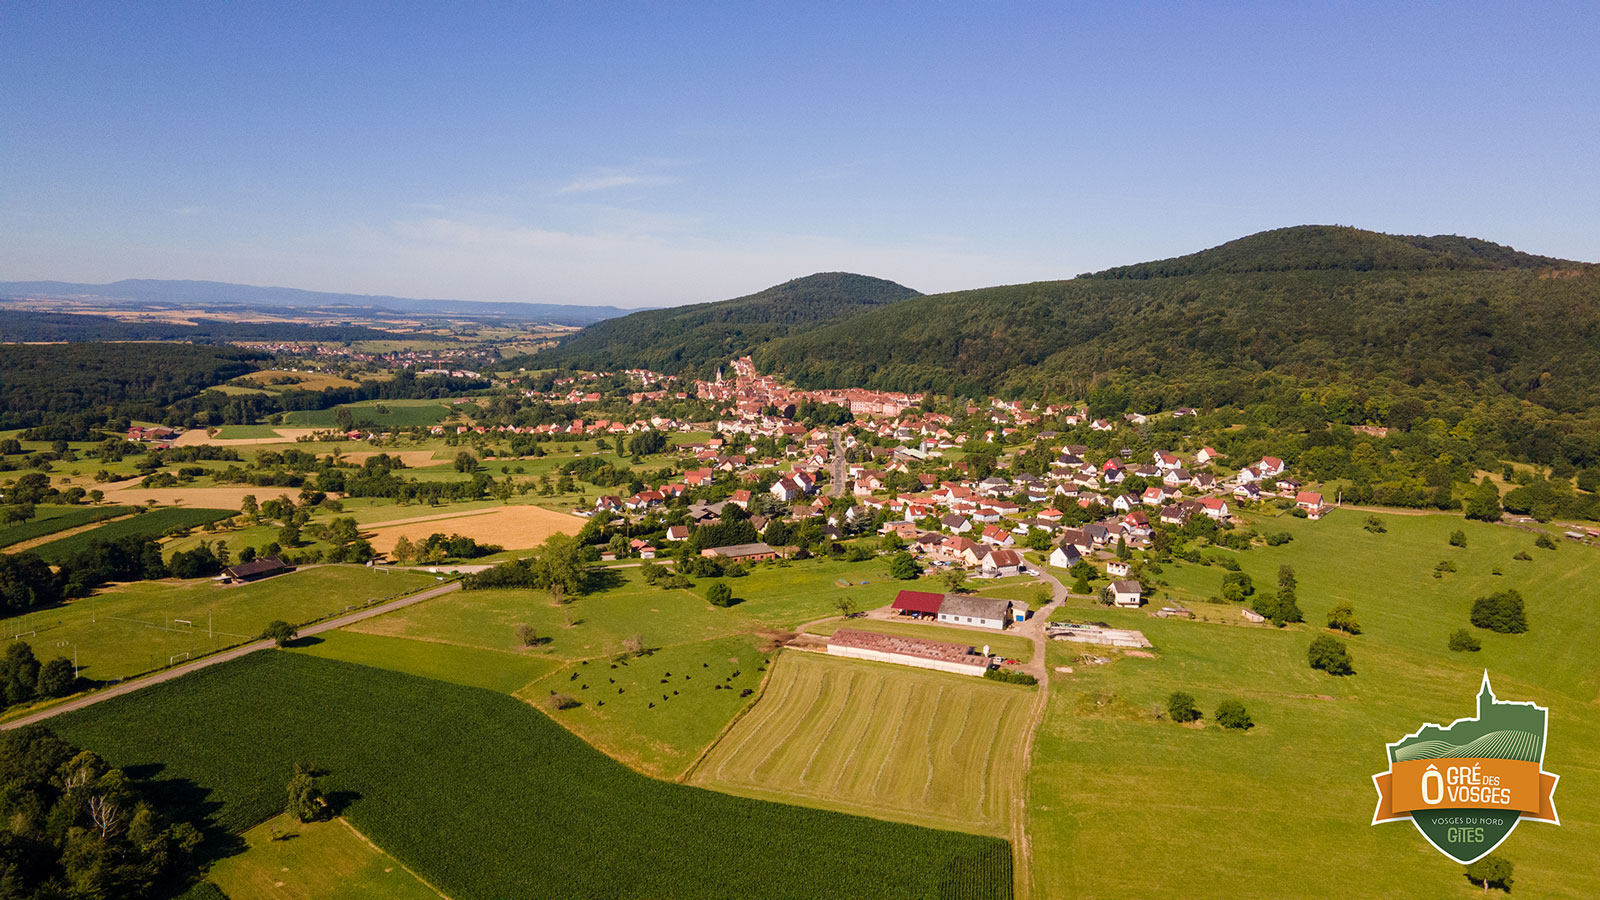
<point x="53" y="519"/>
<point x="908" y="744"/>
<point x="286" y="859"/>
<point x="150" y="524"/>
<point x="512" y="527"/>
<point x="522" y="809"/>
<point x="401" y="414"/>
<point x="999" y="643"/>
<point x="1110" y="782"/>
<point x="134" y="628"/>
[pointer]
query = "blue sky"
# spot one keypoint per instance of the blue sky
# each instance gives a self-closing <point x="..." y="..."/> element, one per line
<point x="653" y="154"/>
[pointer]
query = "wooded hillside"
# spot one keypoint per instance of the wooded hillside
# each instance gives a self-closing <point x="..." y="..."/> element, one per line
<point x="697" y="337"/>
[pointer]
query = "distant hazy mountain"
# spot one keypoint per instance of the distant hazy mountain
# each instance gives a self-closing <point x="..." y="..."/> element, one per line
<point x="683" y="337"/>
<point x="204" y="294"/>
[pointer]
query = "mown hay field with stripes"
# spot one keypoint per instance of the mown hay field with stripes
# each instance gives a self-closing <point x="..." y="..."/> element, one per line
<point x="878" y="739"/>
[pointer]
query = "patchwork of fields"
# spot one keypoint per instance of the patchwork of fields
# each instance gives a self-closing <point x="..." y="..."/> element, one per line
<point x="150" y="524"/>
<point x="139" y="627"/>
<point x="907" y="744"/>
<point x="522" y="809"/>
<point x="53" y="519"/>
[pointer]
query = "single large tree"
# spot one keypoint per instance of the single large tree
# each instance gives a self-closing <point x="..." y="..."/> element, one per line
<point x="1330" y="655"/>
<point x="1491" y="871"/>
<point x="305" y="798"/>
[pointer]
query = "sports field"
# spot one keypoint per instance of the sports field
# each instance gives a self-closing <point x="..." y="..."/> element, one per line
<point x="133" y="628"/>
<point x="872" y="738"/>
<point x="1226" y="814"/>
<point x="286" y="859"/>
<point x="485" y="798"/>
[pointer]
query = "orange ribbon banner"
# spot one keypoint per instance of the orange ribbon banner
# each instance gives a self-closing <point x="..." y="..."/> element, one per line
<point x="1512" y="785"/>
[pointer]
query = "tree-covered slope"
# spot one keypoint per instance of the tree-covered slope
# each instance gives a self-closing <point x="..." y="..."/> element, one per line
<point x="1313" y="247"/>
<point x="1438" y="327"/>
<point x="694" y="337"/>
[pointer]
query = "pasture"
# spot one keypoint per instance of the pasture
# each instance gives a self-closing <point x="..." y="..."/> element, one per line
<point x="286" y="859"/>
<point x="133" y="628"/>
<point x="496" y="670"/>
<point x="1111" y="782"/>
<point x="657" y="712"/>
<point x="152" y="524"/>
<point x="877" y="739"/>
<point x="522" y="809"/>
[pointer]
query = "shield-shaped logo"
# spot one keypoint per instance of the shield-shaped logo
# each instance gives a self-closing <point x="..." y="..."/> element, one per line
<point x="1466" y="786"/>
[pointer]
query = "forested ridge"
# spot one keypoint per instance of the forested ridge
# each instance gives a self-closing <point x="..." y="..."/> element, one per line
<point x="1510" y="341"/>
<point x="69" y="391"/>
<point x="40" y="383"/>
<point x="695" y="338"/>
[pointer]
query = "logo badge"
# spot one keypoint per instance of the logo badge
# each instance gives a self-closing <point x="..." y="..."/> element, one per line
<point x="1466" y="786"/>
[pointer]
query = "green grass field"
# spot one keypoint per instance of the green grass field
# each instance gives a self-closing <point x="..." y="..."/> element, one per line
<point x="401" y="414"/>
<point x="236" y="432"/>
<point x="1284" y="809"/>
<point x="150" y="524"/>
<point x="134" y="628"/>
<point x="495" y="670"/>
<point x="51" y="519"/>
<point x="877" y="739"/>
<point x="286" y="859"/>
<point x="485" y="798"/>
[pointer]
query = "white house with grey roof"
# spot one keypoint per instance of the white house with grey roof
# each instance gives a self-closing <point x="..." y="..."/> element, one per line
<point x="983" y="612"/>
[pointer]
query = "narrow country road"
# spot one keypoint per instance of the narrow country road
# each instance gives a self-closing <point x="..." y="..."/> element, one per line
<point x="1033" y="628"/>
<point x="128" y="687"/>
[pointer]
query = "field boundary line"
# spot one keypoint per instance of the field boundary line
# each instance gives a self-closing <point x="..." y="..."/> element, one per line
<point x="397" y="861"/>
<point x="761" y="691"/>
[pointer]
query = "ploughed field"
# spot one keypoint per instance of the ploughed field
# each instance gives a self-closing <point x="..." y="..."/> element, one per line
<point x="879" y="739"/>
<point x="484" y="797"/>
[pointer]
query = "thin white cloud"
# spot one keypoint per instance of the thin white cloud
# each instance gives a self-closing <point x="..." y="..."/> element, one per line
<point x="605" y="181"/>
